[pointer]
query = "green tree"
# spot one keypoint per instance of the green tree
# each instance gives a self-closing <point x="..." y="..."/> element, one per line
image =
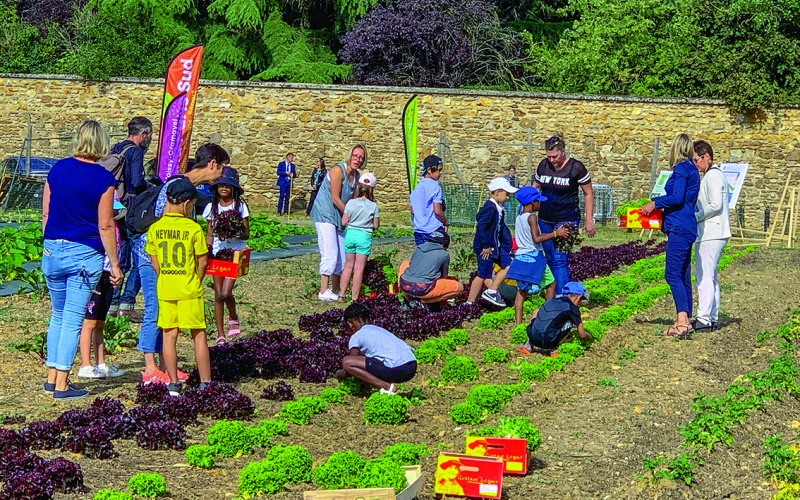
<point x="23" y="48"/>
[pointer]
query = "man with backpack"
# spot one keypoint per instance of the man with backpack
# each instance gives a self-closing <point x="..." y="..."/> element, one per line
<point x="144" y="209"/>
<point x="126" y="162"/>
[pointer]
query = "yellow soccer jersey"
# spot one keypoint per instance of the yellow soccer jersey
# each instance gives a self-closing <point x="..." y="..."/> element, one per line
<point x="176" y="241"/>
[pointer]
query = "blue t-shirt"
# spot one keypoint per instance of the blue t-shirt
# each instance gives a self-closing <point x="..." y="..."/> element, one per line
<point x="75" y="190"/>
<point x="427" y="192"/>
<point x="554" y="319"/>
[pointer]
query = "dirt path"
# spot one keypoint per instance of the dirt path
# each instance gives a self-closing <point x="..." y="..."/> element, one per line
<point x="594" y="438"/>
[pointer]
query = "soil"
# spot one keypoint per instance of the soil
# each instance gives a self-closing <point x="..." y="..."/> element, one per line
<point x="594" y="438"/>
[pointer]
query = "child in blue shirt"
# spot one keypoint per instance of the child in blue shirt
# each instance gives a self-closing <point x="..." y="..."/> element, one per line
<point x="492" y="243"/>
<point x="427" y="206"/>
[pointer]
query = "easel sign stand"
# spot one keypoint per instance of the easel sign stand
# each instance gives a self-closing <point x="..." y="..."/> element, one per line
<point x="786" y="218"/>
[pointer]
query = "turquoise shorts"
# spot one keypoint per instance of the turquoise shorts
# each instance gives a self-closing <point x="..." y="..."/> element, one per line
<point x="357" y="241"/>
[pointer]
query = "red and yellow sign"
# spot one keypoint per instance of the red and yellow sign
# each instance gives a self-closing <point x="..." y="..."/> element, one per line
<point x="513" y="451"/>
<point x="468" y="476"/>
<point x="230" y="269"/>
<point x="634" y="219"/>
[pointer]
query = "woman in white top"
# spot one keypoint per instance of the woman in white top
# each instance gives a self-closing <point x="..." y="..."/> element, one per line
<point x="713" y="231"/>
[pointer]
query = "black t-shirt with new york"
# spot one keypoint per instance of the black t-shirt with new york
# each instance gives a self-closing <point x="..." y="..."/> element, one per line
<point x="561" y="189"/>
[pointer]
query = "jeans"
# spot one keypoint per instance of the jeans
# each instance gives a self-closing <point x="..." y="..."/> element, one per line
<point x="132" y="286"/>
<point x="150" y="336"/>
<point x="72" y="271"/>
<point x="706" y="260"/>
<point x="558" y="261"/>
<point x="678" y="271"/>
<point x="283" y="199"/>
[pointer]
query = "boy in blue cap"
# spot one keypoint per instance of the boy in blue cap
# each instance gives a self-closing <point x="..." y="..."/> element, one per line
<point x="552" y="322"/>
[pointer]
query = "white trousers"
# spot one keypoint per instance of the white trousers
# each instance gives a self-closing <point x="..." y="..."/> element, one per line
<point x="331" y="249"/>
<point x="706" y="259"/>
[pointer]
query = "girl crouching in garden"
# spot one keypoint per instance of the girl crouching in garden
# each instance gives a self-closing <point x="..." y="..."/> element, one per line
<point x="228" y="230"/>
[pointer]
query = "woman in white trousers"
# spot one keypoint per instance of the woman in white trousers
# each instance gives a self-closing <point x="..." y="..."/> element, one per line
<point x="713" y="232"/>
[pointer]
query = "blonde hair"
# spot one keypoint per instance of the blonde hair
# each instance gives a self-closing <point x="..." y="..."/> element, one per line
<point x="367" y="192"/>
<point x="91" y="141"/>
<point x="682" y="148"/>
<point x="350" y="154"/>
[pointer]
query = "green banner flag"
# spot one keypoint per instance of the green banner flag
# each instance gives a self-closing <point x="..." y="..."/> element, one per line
<point x="410" y="141"/>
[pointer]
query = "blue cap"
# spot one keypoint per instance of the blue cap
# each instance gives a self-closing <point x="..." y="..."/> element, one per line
<point x="529" y="194"/>
<point x="575" y="288"/>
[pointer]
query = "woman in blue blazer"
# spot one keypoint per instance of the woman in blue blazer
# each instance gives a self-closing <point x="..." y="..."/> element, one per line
<point x="680" y="226"/>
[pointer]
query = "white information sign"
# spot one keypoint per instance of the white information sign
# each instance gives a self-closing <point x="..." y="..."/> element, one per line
<point x="734" y="174"/>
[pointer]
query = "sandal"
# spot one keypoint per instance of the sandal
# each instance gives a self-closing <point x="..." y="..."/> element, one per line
<point x="221" y="340"/>
<point x="682" y="332"/>
<point x="233" y="332"/>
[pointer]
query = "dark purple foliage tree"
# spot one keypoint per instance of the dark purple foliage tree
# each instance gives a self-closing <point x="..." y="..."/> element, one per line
<point x="41" y="13"/>
<point x="433" y="43"/>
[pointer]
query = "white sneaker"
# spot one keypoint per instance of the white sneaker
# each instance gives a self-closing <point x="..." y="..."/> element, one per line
<point x="391" y="391"/>
<point x="494" y="297"/>
<point x="110" y="370"/>
<point x="327" y="296"/>
<point x="89" y="371"/>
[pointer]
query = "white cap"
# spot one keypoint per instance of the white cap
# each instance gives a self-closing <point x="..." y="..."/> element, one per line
<point x="368" y="179"/>
<point x="501" y="183"/>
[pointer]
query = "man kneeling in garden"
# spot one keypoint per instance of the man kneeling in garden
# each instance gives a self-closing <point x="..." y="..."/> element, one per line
<point x="551" y="323"/>
<point x="376" y="356"/>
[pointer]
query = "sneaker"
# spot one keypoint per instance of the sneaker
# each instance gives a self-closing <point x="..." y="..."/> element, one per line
<point x="494" y="297"/>
<point x="328" y="296"/>
<point x="154" y="377"/>
<point x="701" y="326"/>
<point x="202" y="386"/>
<point x="71" y="393"/>
<point x="109" y="370"/>
<point x="175" y="389"/>
<point x="525" y="348"/>
<point x="48" y="387"/>
<point x="90" y="371"/>
<point x="392" y="390"/>
<point x="164" y="378"/>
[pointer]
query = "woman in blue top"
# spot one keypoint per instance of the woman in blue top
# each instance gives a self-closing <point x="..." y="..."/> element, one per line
<point x="680" y="226"/>
<point x="78" y="224"/>
<point x="332" y="196"/>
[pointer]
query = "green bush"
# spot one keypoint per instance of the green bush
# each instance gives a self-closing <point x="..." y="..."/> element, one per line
<point x="201" y="456"/>
<point x="387" y="409"/>
<point x="340" y="471"/>
<point x="516" y="427"/>
<point x="295" y="461"/>
<point x="466" y="413"/>
<point x="652" y="275"/>
<point x="354" y="387"/>
<point x="109" y="494"/>
<point x="519" y="335"/>
<point x="261" y="478"/>
<point x="458" y="335"/>
<point x="406" y="453"/>
<point x="382" y="473"/>
<point x="301" y="410"/>
<point x="495" y="355"/>
<point x="333" y="395"/>
<point x="148" y="485"/>
<point x="263" y="432"/>
<point x="231" y="438"/>
<point x="459" y="369"/>
<point x="491" y="397"/>
<point x="533" y="372"/>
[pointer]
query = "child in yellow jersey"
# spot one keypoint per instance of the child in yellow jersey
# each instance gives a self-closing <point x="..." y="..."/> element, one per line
<point x="178" y="251"/>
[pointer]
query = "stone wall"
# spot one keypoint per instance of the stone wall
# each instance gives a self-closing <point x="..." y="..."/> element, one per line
<point x="486" y="131"/>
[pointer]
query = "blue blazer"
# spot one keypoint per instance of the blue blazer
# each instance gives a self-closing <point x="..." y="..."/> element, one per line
<point x="286" y="171"/>
<point x="679" y="203"/>
<point x="491" y="231"/>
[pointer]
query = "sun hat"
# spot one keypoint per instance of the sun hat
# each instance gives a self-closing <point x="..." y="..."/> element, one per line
<point x="575" y="288"/>
<point x="501" y="183"/>
<point x="368" y="179"/>
<point x="180" y="190"/>
<point x="230" y="177"/>
<point x="529" y="194"/>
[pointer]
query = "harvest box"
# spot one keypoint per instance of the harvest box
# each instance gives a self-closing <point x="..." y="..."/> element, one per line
<point x="513" y="451"/>
<point x="414" y="488"/>
<point x="635" y="220"/>
<point x="468" y="476"/>
<point x="235" y="269"/>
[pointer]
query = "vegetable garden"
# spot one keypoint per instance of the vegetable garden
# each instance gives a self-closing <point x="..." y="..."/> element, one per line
<point x="626" y="415"/>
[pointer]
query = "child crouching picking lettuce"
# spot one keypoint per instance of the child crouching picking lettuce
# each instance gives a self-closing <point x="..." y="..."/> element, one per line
<point x="376" y="356"/>
<point x="552" y="323"/>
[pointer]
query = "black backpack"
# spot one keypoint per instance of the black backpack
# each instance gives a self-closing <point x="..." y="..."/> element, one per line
<point x="142" y="209"/>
